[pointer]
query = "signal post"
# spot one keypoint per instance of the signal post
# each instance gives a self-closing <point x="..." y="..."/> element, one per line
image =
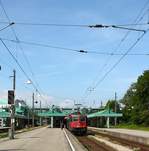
<point x="11" y="101"/>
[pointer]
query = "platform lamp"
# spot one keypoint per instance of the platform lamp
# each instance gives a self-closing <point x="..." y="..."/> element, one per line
<point x="40" y="109"/>
<point x="33" y="98"/>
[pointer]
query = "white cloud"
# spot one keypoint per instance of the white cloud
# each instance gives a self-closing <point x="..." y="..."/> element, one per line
<point x="67" y="103"/>
<point x="46" y="100"/>
<point x="4" y="94"/>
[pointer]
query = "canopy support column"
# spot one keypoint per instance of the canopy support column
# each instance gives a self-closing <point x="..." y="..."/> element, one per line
<point x="51" y="121"/>
<point x="108" y="122"/>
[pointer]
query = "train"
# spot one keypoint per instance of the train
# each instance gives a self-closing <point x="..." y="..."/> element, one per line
<point x="77" y="123"/>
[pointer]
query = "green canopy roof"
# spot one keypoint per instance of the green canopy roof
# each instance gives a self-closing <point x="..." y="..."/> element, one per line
<point x="4" y="114"/>
<point x="19" y="110"/>
<point x="50" y="114"/>
<point x="20" y="116"/>
<point x="104" y="113"/>
<point x="3" y="101"/>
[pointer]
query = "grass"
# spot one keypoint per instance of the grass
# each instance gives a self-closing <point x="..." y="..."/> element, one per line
<point x="133" y="127"/>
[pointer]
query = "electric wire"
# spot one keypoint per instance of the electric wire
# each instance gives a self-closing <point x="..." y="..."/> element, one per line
<point x="91" y="88"/>
<point x="121" y="58"/>
<point x="17" y="40"/>
<point x="7" y="26"/>
<point x="76" y="25"/>
<point x="76" y="50"/>
<point x="83" y="26"/>
<point x="18" y="63"/>
<point x="42" y="45"/>
<point x="115" y="65"/>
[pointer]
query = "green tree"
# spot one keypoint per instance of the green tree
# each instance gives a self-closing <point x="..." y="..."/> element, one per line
<point x="136" y="101"/>
<point x="111" y="105"/>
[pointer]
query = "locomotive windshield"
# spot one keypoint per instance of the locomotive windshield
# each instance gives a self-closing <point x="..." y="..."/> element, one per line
<point x="75" y="119"/>
<point x="82" y="118"/>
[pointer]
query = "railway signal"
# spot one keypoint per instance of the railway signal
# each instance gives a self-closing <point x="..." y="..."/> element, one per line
<point x="10" y="96"/>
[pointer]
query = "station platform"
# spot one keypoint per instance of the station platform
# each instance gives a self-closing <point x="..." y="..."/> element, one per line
<point x="45" y="139"/>
<point x="137" y="136"/>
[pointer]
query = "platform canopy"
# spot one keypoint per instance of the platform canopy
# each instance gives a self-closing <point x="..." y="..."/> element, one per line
<point x="104" y="113"/>
<point x="52" y="114"/>
<point x="19" y="110"/>
<point x="6" y="114"/>
<point x="3" y="101"/>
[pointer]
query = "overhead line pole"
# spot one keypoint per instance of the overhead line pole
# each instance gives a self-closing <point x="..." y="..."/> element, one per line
<point x="12" y="109"/>
<point x="115" y="119"/>
<point x="40" y="116"/>
<point x="33" y="99"/>
<point x="20" y="66"/>
<point x="17" y="39"/>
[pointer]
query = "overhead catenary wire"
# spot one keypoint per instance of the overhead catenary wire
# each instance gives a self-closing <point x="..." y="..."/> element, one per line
<point x="120" y="59"/>
<point x="42" y="45"/>
<point x="113" y="66"/>
<point x="10" y="24"/>
<point x="36" y="87"/>
<point x="122" y="26"/>
<point x="19" y="65"/>
<point x="17" y="40"/>
<point x="135" y="22"/>
<point x="76" y="50"/>
<point x="111" y="54"/>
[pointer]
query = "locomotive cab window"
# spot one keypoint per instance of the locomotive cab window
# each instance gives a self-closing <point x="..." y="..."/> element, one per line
<point x="82" y="118"/>
<point x="75" y="119"/>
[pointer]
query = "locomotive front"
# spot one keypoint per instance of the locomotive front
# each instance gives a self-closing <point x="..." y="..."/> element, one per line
<point x="77" y="123"/>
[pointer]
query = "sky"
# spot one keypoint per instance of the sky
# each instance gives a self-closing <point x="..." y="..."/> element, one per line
<point x="63" y="75"/>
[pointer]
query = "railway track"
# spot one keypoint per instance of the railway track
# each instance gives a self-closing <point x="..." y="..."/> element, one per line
<point x="93" y="145"/>
<point x="131" y="144"/>
<point x="85" y="143"/>
<point x="97" y="141"/>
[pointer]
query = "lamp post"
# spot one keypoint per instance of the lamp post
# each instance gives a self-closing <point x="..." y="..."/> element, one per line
<point x="33" y="103"/>
<point x="33" y="110"/>
<point x="115" y="119"/>
<point x="38" y="100"/>
<point x="40" y="116"/>
<point x="28" y="117"/>
<point x="33" y="99"/>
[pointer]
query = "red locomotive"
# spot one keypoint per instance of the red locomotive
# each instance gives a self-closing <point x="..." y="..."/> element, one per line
<point x="77" y="123"/>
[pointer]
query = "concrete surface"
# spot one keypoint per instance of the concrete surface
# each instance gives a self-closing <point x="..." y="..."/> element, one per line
<point x="132" y="135"/>
<point x="115" y="146"/>
<point x="76" y="144"/>
<point x="130" y="132"/>
<point x="43" y="139"/>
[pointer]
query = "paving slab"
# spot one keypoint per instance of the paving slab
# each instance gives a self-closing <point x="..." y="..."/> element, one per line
<point x="128" y="131"/>
<point x="43" y="139"/>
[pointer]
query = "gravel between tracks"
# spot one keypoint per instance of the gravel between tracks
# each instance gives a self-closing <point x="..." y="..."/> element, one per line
<point x="94" y="145"/>
<point x="133" y="145"/>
